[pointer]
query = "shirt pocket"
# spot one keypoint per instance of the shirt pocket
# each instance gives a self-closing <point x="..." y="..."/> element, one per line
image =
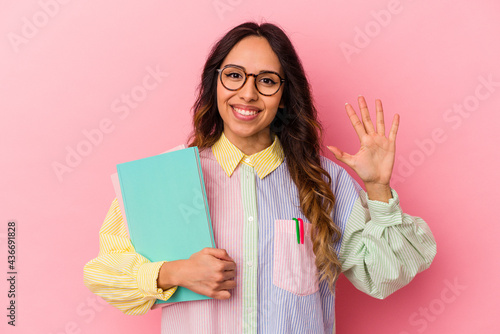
<point x="294" y="269"/>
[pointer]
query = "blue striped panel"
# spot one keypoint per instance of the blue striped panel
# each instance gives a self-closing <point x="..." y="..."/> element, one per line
<point x="281" y="311"/>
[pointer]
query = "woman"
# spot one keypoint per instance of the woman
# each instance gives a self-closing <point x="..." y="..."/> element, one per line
<point x="259" y="139"/>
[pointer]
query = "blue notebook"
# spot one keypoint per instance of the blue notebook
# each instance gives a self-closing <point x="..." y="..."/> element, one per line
<point x="166" y="209"/>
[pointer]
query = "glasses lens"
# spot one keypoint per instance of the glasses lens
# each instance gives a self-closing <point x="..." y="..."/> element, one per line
<point x="268" y="83"/>
<point x="232" y="77"/>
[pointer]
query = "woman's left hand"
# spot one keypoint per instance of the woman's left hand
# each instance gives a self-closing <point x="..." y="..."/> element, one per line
<point x="375" y="159"/>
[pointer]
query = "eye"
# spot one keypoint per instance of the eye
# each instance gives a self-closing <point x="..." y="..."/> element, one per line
<point x="233" y="74"/>
<point x="268" y="79"/>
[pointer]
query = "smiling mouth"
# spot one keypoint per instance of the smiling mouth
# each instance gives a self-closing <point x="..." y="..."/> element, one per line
<point x="245" y="112"/>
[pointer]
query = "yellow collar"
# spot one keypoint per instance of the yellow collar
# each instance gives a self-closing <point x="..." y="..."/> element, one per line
<point x="264" y="162"/>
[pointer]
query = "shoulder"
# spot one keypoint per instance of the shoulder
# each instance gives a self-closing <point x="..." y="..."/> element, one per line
<point x="205" y="152"/>
<point x="331" y="167"/>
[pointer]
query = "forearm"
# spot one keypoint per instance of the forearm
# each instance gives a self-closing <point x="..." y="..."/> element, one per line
<point x="122" y="277"/>
<point x="168" y="275"/>
<point x="383" y="248"/>
<point x="122" y="280"/>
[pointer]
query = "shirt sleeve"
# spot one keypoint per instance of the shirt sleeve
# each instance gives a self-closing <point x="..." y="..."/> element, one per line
<point x="122" y="277"/>
<point x="383" y="248"/>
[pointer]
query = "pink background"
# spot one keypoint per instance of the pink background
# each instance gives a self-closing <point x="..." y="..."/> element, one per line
<point x="63" y="74"/>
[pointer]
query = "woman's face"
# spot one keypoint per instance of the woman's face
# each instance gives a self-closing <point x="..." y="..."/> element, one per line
<point x="254" y="54"/>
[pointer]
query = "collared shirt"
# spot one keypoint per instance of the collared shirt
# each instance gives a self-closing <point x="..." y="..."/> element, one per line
<point x="264" y="162"/>
<point x="252" y="200"/>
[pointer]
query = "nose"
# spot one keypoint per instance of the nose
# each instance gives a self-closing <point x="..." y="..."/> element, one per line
<point x="249" y="92"/>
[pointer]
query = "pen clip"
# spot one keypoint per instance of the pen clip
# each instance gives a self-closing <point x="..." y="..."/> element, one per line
<point x="301" y="230"/>
<point x="297" y="229"/>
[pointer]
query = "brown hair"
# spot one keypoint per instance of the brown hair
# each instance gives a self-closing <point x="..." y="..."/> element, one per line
<point x="298" y="130"/>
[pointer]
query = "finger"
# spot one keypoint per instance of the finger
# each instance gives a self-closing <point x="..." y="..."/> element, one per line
<point x="356" y="123"/>
<point x="229" y="274"/>
<point x="228" y="285"/>
<point x="340" y="155"/>
<point x="394" y="128"/>
<point x="380" y="118"/>
<point x="223" y="294"/>
<point x="219" y="253"/>
<point x="365" y="115"/>
<point x="229" y="265"/>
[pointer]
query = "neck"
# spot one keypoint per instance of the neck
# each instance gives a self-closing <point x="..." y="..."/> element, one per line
<point x="253" y="144"/>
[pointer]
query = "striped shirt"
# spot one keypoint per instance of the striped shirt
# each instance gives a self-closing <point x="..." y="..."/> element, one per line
<point x="252" y="200"/>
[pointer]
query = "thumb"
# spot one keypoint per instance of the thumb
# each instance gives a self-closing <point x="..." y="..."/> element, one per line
<point x="339" y="155"/>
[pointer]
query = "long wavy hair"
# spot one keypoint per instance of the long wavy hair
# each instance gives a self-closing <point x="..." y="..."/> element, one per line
<point x="298" y="130"/>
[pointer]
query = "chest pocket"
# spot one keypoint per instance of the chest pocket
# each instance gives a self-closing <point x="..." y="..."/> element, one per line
<point x="294" y="269"/>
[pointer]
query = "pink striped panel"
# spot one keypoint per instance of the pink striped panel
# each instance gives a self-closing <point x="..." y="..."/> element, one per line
<point x="226" y="212"/>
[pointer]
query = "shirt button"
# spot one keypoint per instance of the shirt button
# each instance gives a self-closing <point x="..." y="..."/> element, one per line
<point x="249" y="310"/>
<point x="250" y="219"/>
<point x="247" y="160"/>
<point x="250" y="263"/>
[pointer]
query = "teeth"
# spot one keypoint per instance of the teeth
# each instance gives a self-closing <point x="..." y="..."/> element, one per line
<point x="244" y="112"/>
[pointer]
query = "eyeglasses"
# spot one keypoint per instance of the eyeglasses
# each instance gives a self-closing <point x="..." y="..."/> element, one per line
<point x="234" y="77"/>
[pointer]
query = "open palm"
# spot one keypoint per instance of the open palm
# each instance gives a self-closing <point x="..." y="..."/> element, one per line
<point x="375" y="159"/>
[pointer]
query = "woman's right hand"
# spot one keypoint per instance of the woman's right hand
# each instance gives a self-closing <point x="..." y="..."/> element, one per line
<point x="209" y="272"/>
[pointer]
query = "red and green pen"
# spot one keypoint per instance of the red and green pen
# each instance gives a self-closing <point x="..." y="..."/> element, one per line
<point x="299" y="224"/>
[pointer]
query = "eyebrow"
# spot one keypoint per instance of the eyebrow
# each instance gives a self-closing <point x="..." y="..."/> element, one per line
<point x="243" y="67"/>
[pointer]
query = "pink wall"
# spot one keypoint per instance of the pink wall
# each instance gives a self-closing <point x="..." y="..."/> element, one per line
<point x="65" y="67"/>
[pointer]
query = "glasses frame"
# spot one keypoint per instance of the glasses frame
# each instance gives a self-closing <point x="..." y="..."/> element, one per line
<point x="246" y="78"/>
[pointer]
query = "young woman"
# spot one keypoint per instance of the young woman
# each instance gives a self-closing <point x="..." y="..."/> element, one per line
<point x="259" y="138"/>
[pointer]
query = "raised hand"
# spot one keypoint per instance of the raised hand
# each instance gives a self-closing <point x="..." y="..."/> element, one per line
<point x="375" y="159"/>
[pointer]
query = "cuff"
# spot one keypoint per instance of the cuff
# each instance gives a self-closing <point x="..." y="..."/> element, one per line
<point x="385" y="214"/>
<point x="147" y="277"/>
